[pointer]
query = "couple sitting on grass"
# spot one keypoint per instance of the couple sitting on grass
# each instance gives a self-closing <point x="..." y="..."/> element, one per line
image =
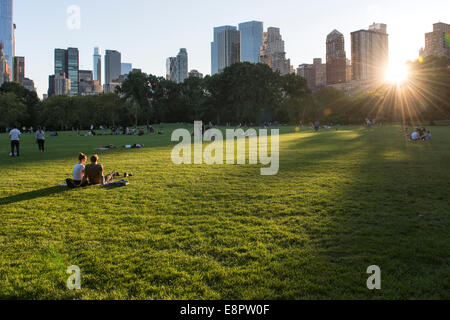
<point x="92" y="174"/>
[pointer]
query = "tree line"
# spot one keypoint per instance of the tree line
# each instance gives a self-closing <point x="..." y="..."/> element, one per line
<point x="242" y="93"/>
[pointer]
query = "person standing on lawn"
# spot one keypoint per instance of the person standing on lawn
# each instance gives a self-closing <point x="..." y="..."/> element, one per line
<point x="14" y="134"/>
<point x="40" y="139"/>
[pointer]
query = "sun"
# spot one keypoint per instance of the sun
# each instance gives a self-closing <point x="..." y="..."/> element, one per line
<point x="397" y="73"/>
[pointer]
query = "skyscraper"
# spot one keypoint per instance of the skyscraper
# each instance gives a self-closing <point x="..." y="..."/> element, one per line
<point x="437" y="43"/>
<point x="5" y="73"/>
<point x="229" y="47"/>
<point x="19" y="69"/>
<point x="113" y="66"/>
<point x="182" y="65"/>
<point x="7" y="31"/>
<point x="251" y="40"/>
<point x="171" y="67"/>
<point x="336" y="58"/>
<point x="60" y="61"/>
<point x="215" y="48"/>
<point x="97" y="65"/>
<point x="62" y="85"/>
<point x="272" y="52"/>
<point x="73" y="67"/>
<point x="126" y="68"/>
<point x="67" y="62"/>
<point x="177" y="67"/>
<point x="370" y="53"/>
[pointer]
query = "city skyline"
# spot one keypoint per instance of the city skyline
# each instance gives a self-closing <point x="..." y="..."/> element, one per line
<point x="305" y="38"/>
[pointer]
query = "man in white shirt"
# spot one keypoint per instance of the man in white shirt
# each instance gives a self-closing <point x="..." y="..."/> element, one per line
<point x="415" y="136"/>
<point x="14" y="134"/>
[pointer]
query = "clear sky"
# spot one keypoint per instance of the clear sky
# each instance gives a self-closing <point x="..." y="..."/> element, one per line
<point x="146" y="32"/>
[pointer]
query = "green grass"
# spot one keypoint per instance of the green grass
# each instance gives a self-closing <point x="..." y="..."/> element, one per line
<point x="341" y="202"/>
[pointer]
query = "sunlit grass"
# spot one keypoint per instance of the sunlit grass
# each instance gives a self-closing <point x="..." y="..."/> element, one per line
<point x="342" y="201"/>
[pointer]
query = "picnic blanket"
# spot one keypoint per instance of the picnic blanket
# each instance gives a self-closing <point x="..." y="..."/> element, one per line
<point x="121" y="183"/>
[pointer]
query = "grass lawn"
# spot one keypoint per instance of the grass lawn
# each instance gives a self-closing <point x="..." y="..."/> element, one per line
<point x="342" y="201"/>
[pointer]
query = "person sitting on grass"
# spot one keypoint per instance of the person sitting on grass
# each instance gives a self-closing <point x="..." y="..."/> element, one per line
<point x="415" y="136"/>
<point x="77" y="173"/>
<point x="93" y="173"/>
<point x="428" y="136"/>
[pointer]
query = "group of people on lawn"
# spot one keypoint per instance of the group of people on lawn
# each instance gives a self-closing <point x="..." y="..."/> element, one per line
<point x="419" y="134"/>
<point x="91" y="174"/>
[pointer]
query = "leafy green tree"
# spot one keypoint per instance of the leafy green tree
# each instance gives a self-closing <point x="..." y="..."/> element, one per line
<point x="26" y="97"/>
<point x="136" y="91"/>
<point x="12" y="110"/>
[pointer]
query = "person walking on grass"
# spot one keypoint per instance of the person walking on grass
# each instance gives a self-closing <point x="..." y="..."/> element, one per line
<point x="40" y="139"/>
<point x="14" y="134"/>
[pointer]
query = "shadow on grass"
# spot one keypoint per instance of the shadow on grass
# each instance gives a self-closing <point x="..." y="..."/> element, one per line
<point x="32" y="195"/>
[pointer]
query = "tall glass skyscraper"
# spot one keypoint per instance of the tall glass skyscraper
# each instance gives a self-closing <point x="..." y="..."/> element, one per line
<point x="97" y="65"/>
<point x="67" y="62"/>
<point x="7" y="31"/>
<point x="61" y="61"/>
<point x="229" y="47"/>
<point x="113" y="65"/>
<point x="126" y="68"/>
<point x="73" y="67"/>
<point x="251" y="40"/>
<point x="215" y="48"/>
<point x="182" y="66"/>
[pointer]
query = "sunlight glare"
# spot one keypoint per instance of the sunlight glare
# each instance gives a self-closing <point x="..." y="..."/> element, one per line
<point x="397" y="73"/>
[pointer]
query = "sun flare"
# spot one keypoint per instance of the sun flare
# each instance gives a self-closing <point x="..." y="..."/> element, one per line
<point x="396" y="73"/>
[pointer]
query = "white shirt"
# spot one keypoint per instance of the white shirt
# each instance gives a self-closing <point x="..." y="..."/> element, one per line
<point x="15" y="134"/>
<point x="415" y="135"/>
<point x="78" y="173"/>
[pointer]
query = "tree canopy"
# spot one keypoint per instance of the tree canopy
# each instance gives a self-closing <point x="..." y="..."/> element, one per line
<point x="242" y="93"/>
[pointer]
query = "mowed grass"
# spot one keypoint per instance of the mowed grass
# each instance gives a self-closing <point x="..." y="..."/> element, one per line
<point x="342" y="201"/>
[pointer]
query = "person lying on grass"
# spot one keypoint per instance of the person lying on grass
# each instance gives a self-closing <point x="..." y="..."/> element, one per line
<point x="93" y="173"/>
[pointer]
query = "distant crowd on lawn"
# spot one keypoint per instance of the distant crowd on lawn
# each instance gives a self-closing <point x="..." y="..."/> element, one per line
<point x="115" y="131"/>
<point x="418" y="134"/>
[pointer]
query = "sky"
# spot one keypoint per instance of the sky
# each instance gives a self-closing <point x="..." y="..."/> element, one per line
<point x="146" y="32"/>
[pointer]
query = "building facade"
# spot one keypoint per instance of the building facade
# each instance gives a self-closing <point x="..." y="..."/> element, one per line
<point x="251" y="40"/>
<point x="19" y="69"/>
<point x="126" y="68"/>
<point x="113" y="65"/>
<point x="370" y="53"/>
<point x="67" y="62"/>
<point x="321" y="73"/>
<point x="437" y="42"/>
<point x="97" y="65"/>
<point x="62" y="85"/>
<point x="336" y="58"/>
<point x="28" y="84"/>
<point x="5" y="73"/>
<point x="229" y="48"/>
<point x="315" y="74"/>
<point x="195" y="74"/>
<point x="171" y="66"/>
<point x="215" y="48"/>
<point x="182" y="66"/>
<point x="308" y="72"/>
<point x="7" y="32"/>
<point x="73" y="67"/>
<point x="272" y="52"/>
<point x="177" y="67"/>
<point x="89" y="86"/>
